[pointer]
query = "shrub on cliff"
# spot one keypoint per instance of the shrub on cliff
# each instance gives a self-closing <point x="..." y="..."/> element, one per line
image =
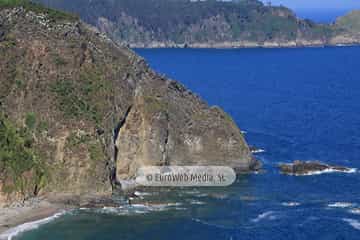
<point x="21" y="169"/>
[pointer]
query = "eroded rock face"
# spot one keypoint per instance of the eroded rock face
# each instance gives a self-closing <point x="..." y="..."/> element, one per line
<point x="310" y="167"/>
<point x="168" y="125"/>
<point x="94" y="112"/>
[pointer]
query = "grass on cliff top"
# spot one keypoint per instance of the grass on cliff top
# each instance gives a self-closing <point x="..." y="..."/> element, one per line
<point x="38" y="8"/>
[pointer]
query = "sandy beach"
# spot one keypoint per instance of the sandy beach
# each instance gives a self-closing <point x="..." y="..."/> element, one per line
<point x="15" y="216"/>
<point x="39" y="210"/>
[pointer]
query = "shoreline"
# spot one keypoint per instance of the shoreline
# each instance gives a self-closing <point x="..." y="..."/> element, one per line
<point x="15" y="220"/>
<point x="225" y="46"/>
<point x="37" y="211"/>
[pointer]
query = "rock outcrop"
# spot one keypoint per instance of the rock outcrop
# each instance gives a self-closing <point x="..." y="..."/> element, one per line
<point x="310" y="167"/>
<point x="78" y="113"/>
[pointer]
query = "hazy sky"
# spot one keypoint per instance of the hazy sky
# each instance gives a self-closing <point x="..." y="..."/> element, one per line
<point x="318" y="4"/>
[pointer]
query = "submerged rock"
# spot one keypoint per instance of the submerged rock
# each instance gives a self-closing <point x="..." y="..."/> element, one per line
<point x="310" y="167"/>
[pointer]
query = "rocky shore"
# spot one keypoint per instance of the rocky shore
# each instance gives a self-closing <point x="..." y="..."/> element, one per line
<point x="337" y="41"/>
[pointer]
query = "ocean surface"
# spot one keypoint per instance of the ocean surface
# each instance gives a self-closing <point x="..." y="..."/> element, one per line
<point x="295" y="104"/>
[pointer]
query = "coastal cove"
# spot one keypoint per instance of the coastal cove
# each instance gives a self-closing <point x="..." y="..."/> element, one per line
<point x="173" y="119"/>
<point x="295" y="104"/>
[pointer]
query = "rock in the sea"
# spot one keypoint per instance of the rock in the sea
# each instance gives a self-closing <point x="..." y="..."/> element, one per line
<point x="310" y="167"/>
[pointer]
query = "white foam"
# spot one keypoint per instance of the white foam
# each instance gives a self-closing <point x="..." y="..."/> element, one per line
<point x="290" y="204"/>
<point x="354" y="223"/>
<point x="211" y="224"/>
<point x="330" y="170"/>
<point x="196" y="202"/>
<point x="355" y="211"/>
<point x="137" y="208"/>
<point x="172" y="204"/>
<point x="11" y="233"/>
<point x="266" y="215"/>
<point x="180" y="208"/>
<point x="258" y="151"/>
<point x="141" y="194"/>
<point x="202" y="195"/>
<point x="341" y="205"/>
<point x="192" y="192"/>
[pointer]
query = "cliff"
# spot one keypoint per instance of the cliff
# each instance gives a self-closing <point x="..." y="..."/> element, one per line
<point x="201" y="24"/>
<point x="78" y="113"/>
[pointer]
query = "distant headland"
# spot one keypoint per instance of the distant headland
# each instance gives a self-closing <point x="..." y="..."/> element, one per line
<point x="208" y="24"/>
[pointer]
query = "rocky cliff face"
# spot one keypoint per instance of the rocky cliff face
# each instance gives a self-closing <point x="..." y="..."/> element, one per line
<point x="78" y="113"/>
<point x="203" y="24"/>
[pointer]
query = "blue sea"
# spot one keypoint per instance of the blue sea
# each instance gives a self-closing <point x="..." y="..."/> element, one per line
<point x="295" y="104"/>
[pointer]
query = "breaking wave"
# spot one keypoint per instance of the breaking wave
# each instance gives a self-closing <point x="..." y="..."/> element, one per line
<point x="138" y="209"/>
<point x="11" y="233"/>
<point x="269" y="215"/>
<point x="290" y="204"/>
<point x="354" y="223"/>
<point x="351" y="170"/>
<point x="341" y="205"/>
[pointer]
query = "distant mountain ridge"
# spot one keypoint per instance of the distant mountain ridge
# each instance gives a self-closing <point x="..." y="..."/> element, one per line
<point x="189" y="23"/>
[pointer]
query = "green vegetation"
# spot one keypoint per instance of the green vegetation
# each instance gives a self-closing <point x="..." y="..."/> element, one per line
<point x="154" y="105"/>
<point x="8" y="40"/>
<point x="200" y="116"/>
<point x="72" y="102"/>
<point x="19" y="84"/>
<point x="75" y="140"/>
<point x="42" y="126"/>
<point x="96" y="152"/>
<point x="185" y="21"/>
<point x="37" y="8"/>
<point x="350" y="22"/>
<point x="84" y="97"/>
<point x="30" y="121"/>
<point x="59" y="61"/>
<point x="21" y="168"/>
<point x="223" y="114"/>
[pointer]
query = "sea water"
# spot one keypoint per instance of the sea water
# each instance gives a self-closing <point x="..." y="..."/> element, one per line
<point x="296" y="104"/>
